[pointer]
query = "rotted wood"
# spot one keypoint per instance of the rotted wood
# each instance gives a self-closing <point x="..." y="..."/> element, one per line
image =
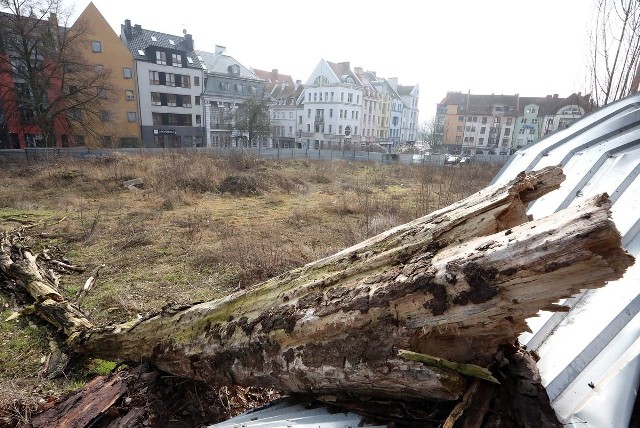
<point x="456" y="285"/>
<point x="19" y="264"/>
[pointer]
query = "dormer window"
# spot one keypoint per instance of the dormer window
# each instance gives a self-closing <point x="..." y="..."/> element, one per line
<point x="172" y="43"/>
<point x="154" y="39"/>
<point x="349" y="80"/>
<point x="234" y="69"/>
<point x="176" y="60"/>
<point x="161" y="58"/>
<point x="321" y="80"/>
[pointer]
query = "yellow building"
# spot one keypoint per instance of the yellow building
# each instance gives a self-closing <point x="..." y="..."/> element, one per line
<point x="120" y="123"/>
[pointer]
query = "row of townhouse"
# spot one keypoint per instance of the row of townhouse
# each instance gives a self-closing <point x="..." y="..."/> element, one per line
<point x="500" y="124"/>
<point x="166" y="93"/>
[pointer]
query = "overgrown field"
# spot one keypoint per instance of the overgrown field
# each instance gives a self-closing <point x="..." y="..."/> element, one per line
<point x="197" y="228"/>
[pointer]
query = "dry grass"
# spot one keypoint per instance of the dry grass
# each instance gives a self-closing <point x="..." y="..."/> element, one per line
<point x="202" y="226"/>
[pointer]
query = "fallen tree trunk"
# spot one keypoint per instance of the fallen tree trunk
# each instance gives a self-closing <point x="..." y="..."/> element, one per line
<point x="454" y="285"/>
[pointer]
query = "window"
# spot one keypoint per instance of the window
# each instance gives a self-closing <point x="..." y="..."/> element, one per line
<point x="308" y="113"/>
<point x="484" y="119"/>
<point x="157" y="118"/>
<point x="198" y="119"/>
<point x="161" y="58"/>
<point x="507" y="131"/>
<point x="105" y="116"/>
<point x="534" y="121"/>
<point x="483" y="129"/>
<point x="171" y="100"/>
<point x="186" y="81"/>
<point x="349" y="97"/>
<point x="154" y="77"/>
<point x="460" y="129"/>
<point x="170" y="79"/>
<point x="196" y="80"/>
<point x="509" y="121"/>
<point x="132" y="116"/>
<point x="176" y="60"/>
<point x="128" y="95"/>
<point x="460" y="118"/>
<point x="480" y="140"/>
<point x="96" y="46"/>
<point x="127" y="72"/>
<point x="523" y="120"/>
<point x="197" y="100"/>
<point x="330" y="112"/>
<point x="102" y="93"/>
<point x="155" y="99"/>
<point x="186" y="101"/>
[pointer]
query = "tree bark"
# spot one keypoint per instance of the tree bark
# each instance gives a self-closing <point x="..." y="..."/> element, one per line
<point x="455" y="285"/>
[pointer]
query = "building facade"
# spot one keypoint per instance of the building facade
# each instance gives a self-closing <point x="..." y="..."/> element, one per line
<point x="228" y="86"/>
<point x="282" y="93"/>
<point x="18" y="127"/>
<point x="120" y="126"/>
<point x="169" y="78"/>
<point x="410" y="95"/>
<point x="500" y="124"/>
<point x="331" y="107"/>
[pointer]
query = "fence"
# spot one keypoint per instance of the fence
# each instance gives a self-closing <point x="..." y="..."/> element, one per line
<point x="36" y="154"/>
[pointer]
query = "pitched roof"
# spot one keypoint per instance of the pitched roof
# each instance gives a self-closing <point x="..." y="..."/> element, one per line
<point x="220" y="63"/>
<point x="343" y="70"/>
<point x="273" y="78"/>
<point x="405" y="90"/>
<point x="278" y="85"/>
<point x="483" y="104"/>
<point x="140" y="39"/>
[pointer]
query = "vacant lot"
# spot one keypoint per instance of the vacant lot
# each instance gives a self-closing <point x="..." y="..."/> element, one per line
<point x="197" y="228"/>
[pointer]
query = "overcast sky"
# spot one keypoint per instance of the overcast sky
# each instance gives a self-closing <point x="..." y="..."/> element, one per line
<point x="491" y="46"/>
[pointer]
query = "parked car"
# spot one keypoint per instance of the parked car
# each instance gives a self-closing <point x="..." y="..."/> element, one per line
<point x="451" y="160"/>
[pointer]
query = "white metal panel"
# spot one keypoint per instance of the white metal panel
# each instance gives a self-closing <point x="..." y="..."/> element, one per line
<point x="589" y="356"/>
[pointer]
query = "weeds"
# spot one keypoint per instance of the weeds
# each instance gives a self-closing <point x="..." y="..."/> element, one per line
<point x="180" y="239"/>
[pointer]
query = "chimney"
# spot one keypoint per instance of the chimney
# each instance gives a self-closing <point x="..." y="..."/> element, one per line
<point x="137" y="27"/>
<point x="393" y="82"/>
<point x="127" y="29"/>
<point x="358" y="70"/>
<point x="298" y="83"/>
<point x="555" y="95"/>
<point x="53" y="19"/>
<point x="274" y="75"/>
<point x="220" y="50"/>
<point x="188" y="42"/>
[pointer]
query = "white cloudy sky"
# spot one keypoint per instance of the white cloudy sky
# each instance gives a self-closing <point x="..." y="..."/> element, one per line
<point x="485" y="46"/>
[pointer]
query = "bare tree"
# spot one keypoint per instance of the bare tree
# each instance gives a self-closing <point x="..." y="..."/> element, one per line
<point x="432" y="131"/>
<point x="51" y="88"/>
<point x="615" y="50"/>
<point x="252" y="121"/>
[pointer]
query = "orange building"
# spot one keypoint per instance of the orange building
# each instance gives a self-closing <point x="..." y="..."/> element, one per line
<point x="120" y="124"/>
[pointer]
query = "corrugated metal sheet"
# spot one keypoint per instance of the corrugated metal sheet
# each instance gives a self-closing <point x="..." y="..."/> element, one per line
<point x="289" y="414"/>
<point x="589" y="356"/>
